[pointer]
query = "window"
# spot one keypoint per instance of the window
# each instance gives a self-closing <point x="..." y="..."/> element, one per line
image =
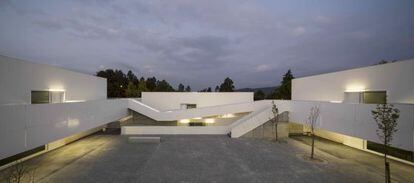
<point x="374" y="97"/>
<point x="40" y="97"/>
<point x="46" y="97"/>
<point x="396" y="152"/>
<point x="188" y="106"/>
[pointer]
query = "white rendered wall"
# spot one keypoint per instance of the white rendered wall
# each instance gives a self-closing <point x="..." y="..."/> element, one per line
<point x="172" y="100"/>
<point x="396" y="78"/>
<point x="355" y="120"/>
<point x="18" y="78"/>
<point x="26" y="126"/>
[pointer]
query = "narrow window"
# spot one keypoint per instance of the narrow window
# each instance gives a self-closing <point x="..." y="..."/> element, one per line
<point x="375" y="97"/>
<point x="40" y="97"/>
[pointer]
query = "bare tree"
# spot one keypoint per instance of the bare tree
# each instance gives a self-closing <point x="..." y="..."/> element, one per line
<point x="386" y="117"/>
<point x="275" y="119"/>
<point x="312" y="122"/>
<point x="19" y="172"/>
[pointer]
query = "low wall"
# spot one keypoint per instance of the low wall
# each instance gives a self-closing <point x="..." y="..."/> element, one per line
<point x="174" y="130"/>
<point x="24" y="127"/>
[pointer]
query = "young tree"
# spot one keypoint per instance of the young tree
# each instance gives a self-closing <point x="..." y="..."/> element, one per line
<point x="284" y="91"/>
<point x="386" y="117"/>
<point x="227" y="85"/>
<point x="19" y="172"/>
<point x="312" y="122"/>
<point x="275" y="119"/>
<point x="188" y="89"/>
<point x="180" y="88"/>
<point x="259" y="95"/>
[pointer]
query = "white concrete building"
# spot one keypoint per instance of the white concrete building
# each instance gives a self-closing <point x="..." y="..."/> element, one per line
<point x="44" y="107"/>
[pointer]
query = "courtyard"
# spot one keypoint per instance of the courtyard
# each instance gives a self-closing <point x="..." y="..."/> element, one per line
<point x="209" y="158"/>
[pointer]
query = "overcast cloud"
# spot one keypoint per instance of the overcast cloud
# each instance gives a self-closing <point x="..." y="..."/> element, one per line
<point x="201" y="42"/>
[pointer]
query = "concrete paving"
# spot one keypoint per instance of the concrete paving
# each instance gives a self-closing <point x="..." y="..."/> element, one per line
<point x="111" y="158"/>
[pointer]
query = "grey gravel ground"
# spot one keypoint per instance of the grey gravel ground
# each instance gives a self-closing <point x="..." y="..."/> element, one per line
<point x="111" y="158"/>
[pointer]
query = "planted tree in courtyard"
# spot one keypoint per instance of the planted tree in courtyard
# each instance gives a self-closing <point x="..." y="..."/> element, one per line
<point x="275" y="119"/>
<point x="386" y="117"/>
<point x="19" y="172"/>
<point x="312" y="122"/>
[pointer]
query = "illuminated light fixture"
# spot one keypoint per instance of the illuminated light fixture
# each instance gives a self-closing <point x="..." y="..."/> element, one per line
<point x="55" y="90"/>
<point x="227" y="116"/>
<point x="198" y="118"/>
<point x="336" y="101"/>
<point x="184" y="121"/>
<point x="355" y="88"/>
<point x="209" y="120"/>
<point x="72" y="101"/>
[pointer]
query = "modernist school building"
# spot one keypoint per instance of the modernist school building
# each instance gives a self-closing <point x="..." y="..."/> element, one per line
<point x="44" y="107"/>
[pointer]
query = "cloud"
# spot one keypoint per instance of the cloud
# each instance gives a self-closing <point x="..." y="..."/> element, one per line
<point x="263" y="67"/>
<point x="297" y="31"/>
<point x="202" y="42"/>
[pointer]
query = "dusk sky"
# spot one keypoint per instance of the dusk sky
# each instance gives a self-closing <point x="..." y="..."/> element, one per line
<point x="199" y="43"/>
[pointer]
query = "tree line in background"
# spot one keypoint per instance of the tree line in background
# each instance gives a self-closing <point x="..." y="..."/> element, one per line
<point x="121" y="85"/>
<point x="129" y="85"/>
<point x="283" y="91"/>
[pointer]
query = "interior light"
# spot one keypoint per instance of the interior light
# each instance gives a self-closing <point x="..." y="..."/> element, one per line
<point x="209" y="120"/>
<point x="198" y="118"/>
<point x="184" y="121"/>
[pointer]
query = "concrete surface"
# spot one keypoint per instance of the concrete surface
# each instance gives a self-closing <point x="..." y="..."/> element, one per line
<point x="110" y="158"/>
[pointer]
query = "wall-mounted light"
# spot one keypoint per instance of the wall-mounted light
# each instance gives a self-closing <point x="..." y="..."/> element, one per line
<point x="209" y="120"/>
<point x="184" y="121"/>
<point x="355" y="88"/>
<point x="55" y="90"/>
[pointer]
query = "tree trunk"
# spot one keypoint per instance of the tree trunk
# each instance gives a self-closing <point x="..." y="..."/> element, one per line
<point x="313" y="143"/>
<point x="276" y="131"/>
<point x="386" y="164"/>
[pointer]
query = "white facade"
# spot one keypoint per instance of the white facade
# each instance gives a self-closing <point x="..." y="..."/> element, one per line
<point x="394" y="78"/>
<point x="18" y="78"/>
<point x="24" y="126"/>
<point x="173" y="100"/>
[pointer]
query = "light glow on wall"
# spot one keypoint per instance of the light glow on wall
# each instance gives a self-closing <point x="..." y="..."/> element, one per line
<point x="355" y="88"/>
<point x="56" y="90"/>
<point x="209" y="120"/>
<point x="73" y="123"/>
<point x="227" y="116"/>
<point x="198" y="118"/>
<point x="184" y="121"/>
